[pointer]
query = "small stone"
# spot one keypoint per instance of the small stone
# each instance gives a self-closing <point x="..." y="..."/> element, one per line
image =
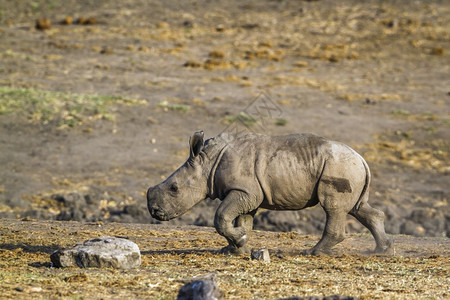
<point x="301" y="64"/>
<point x="106" y="50"/>
<point x="162" y="25"/>
<point x="353" y="55"/>
<point x="216" y="54"/>
<point x="188" y="24"/>
<point x="91" y="21"/>
<point x="87" y="21"/>
<point x="438" y="51"/>
<point x="390" y="23"/>
<point x="267" y="44"/>
<point x="67" y="20"/>
<point x="43" y="24"/>
<point x="220" y="28"/>
<point x="370" y="101"/>
<point x="81" y="20"/>
<point x="219" y="99"/>
<point x="261" y="254"/>
<point x="200" y="289"/>
<point x="192" y="64"/>
<point x="34" y="289"/>
<point x="76" y="278"/>
<point x="333" y="58"/>
<point x="103" y="252"/>
<point x="144" y="49"/>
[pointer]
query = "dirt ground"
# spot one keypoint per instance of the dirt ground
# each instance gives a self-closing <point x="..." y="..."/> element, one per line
<point x="418" y="268"/>
<point x="100" y="106"/>
<point x="372" y="75"/>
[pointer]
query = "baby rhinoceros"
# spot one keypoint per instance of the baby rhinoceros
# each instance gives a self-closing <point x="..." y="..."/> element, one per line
<point x="247" y="171"/>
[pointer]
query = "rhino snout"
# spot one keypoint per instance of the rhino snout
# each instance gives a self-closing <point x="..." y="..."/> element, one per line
<point x="158" y="214"/>
<point x="153" y="208"/>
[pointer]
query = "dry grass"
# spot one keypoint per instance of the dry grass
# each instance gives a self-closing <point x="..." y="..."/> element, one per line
<point x="419" y="269"/>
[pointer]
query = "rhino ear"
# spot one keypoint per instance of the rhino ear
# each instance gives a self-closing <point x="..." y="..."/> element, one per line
<point x="196" y="143"/>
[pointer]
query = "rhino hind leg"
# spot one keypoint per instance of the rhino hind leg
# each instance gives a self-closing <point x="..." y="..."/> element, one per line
<point x="373" y="219"/>
<point x="333" y="234"/>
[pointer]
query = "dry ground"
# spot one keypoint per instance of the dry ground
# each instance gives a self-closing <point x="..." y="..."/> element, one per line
<point x="419" y="268"/>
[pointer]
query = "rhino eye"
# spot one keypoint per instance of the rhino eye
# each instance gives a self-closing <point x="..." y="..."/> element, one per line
<point x="173" y="187"/>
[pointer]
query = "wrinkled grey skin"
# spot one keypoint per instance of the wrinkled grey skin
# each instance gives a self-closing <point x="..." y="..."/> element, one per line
<point x="248" y="171"/>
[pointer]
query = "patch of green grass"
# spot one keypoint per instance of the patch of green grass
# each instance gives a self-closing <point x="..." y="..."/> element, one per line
<point x="281" y="122"/>
<point x="175" y="107"/>
<point x="63" y="109"/>
<point x="53" y="4"/>
<point x="34" y="5"/>
<point x="9" y="53"/>
<point x="246" y="119"/>
<point x="401" y="112"/>
<point x="404" y="134"/>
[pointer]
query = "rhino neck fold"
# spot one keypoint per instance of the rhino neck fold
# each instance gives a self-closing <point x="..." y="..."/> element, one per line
<point x="213" y="172"/>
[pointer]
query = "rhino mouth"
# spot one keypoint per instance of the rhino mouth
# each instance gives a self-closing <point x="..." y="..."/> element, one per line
<point x="159" y="214"/>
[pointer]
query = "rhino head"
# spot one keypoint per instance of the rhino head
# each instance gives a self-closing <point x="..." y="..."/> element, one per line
<point x="184" y="188"/>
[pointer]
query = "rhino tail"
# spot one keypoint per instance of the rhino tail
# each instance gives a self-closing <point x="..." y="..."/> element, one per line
<point x="365" y="191"/>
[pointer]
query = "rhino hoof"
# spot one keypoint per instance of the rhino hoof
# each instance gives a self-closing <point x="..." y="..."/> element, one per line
<point x="231" y="250"/>
<point x="241" y="242"/>
<point x="315" y="252"/>
<point x="385" y="249"/>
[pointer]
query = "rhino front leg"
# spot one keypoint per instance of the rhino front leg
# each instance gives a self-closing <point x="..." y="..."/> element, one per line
<point x="246" y="221"/>
<point x="234" y="221"/>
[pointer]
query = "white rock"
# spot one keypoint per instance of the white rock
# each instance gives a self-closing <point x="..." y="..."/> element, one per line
<point x="261" y="254"/>
<point x="103" y="252"/>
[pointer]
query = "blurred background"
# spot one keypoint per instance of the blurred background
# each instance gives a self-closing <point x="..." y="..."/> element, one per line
<point x="98" y="100"/>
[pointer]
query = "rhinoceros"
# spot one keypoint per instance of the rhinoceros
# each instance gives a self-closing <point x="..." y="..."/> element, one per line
<point x="248" y="171"/>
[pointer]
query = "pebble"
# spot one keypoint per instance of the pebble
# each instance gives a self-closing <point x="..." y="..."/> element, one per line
<point x="67" y="20"/>
<point x="261" y="254"/>
<point x="43" y="24"/>
<point x="87" y="21"/>
<point x="438" y="51"/>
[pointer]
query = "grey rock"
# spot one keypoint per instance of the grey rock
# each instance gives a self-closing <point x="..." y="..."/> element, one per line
<point x="200" y="288"/>
<point x="412" y="228"/>
<point x="261" y="254"/>
<point x="70" y="199"/>
<point x="71" y="214"/>
<point x="103" y="252"/>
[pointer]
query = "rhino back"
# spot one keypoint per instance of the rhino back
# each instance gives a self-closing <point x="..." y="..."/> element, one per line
<point x="282" y="170"/>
